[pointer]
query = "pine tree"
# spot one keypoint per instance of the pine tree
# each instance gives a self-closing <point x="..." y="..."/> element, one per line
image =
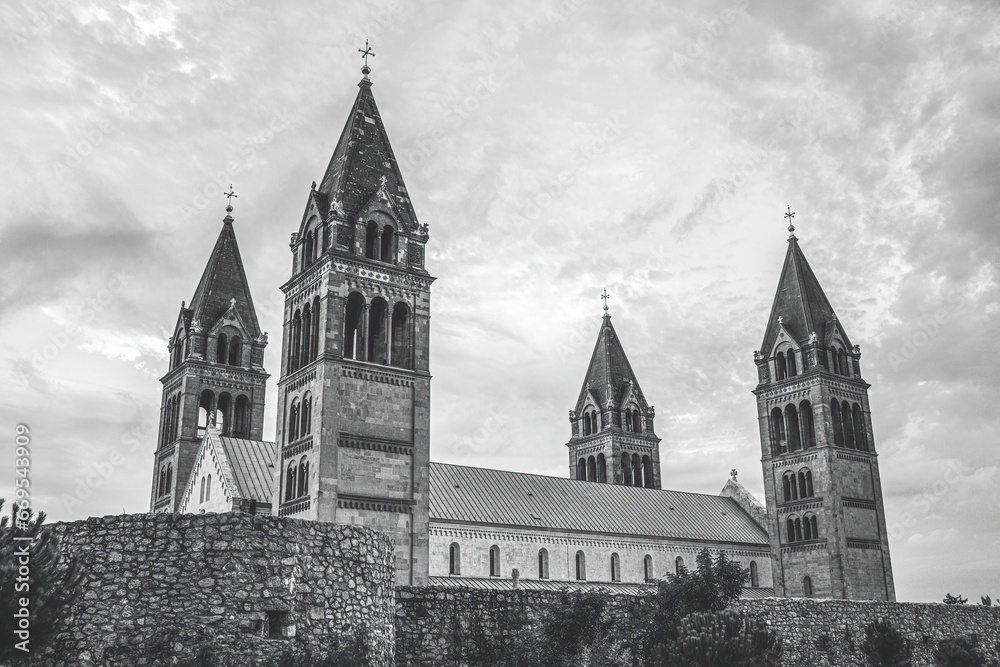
<point x="885" y="646"/>
<point x="53" y="582"/>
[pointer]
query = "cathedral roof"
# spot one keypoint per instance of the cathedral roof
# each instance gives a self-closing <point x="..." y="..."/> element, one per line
<point x="528" y="584"/>
<point x="223" y="280"/>
<point x="799" y="302"/>
<point x="609" y="375"/>
<point x="362" y="158"/>
<point x="461" y="494"/>
<point x="251" y="465"/>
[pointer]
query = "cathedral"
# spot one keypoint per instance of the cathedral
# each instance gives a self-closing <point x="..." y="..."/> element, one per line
<point x="352" y="443"/>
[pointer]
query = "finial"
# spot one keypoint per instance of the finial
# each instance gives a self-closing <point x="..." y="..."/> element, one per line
<point x="606" y="296"/>
<point x="365" y="53"/>
<point x="229" y="206"/>
<point x="733" y="473"/>
<point x="314" y="185"/>
<point x="791" y="228"/>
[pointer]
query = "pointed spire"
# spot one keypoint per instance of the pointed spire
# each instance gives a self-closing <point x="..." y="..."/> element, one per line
<point x="609" y="375"/>
<point x="800" y="305"/>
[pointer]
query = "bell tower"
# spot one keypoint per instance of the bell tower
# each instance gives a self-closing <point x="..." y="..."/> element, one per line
<point x="216" y="373"/>
<point x="825" y="514"/>
<point x="612" y="438"/>
<point x="353" y="426"/>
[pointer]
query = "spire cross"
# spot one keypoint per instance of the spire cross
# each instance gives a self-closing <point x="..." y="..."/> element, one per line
<point x="605" y="296"/>
<point x="366" y="52"/>
<point x="790" y="215"/>
<point x="229" y="195"/>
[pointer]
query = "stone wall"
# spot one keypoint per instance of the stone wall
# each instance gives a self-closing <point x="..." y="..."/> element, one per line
<point x="437" y="626"/>
<point x="222" y="576"/>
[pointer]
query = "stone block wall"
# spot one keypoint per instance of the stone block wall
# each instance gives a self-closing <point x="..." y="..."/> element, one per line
<point x="224" y="575"/>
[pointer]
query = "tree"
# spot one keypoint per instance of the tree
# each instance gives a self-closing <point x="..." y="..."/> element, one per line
<point x="953" y="599"/>
<point x="986" y="601"/>
<point x="51" y="585"/>
<point x="723" y="639"/>
<point x="958" y="652"/>
<point x="885" y="646"/>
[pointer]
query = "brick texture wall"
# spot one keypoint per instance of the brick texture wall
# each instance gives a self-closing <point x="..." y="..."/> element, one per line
<point x="222" y="573"/>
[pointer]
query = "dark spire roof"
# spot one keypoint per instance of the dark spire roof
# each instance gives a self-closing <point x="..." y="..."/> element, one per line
<point x="610" y="373"/>
<point x="224" y="279"/>
<point x="362" y="157"/>
<point x="799" y="302"/>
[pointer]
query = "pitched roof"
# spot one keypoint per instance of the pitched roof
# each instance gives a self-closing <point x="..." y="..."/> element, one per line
<point x="251" y="466"/>
<point x="363" y="156"/>
<point x="609" y="373"/>
<point x="799" y="301"/>
<point x="224" y="279"/>
<point x="483" y="496"/>
<point x="615" y="588"/>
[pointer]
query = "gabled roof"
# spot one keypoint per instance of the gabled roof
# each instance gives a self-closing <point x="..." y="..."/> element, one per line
<point x="609" y="373"/>
<point x="224" y="279"/>
<point x="362" y="158"/>
<point x="615" y="588"/>
<point x="251" y="466"/>
<point x="800" y="303"/>
<point x="462" y="494"/>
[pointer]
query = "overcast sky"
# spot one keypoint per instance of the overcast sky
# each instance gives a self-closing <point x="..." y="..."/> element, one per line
<point x="554" y="150"/>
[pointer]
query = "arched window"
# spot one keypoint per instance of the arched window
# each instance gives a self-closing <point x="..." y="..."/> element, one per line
<point x="206" y="407"/>
<point x="845" y="412"/>
<point x="636" y="421"/>
<point x="306" y="418"/>
<point x="494" y="561"/>
<point x="290" y="487"/>
<point x="679" y="565"/>
<point x="293" y="420"/>
<point x="815" y="526"/>
<point x="636" y="470"/>
<point x="241" y="417"/>
<point x="778" y="442"/>
<point x="222" y="411"/>
<point x="388" y="245"/>
<point x="170" y="479"/>
<point x="786" y="488"/>
<point x="371" y="240"/>
<point x="805" y="483"/>
<point x="581" y="566"/>
<point x="780" y="371"/>
<point x="543" y="564"/>
<point x="454" y="559"/>
<point x="647" y="472"/>
<point x="602" y="469"/>
<point x="378" y="314"/>
<point x="616" y="568"/>
<point x="845" y="364"/>
<point x="591" y="469"/>
<point x="808" y="427"/>
<point x="647" y="568"/>
<point x="754" y="579"/>
<point x="208" y="489"/>
<point x="626" y="470"/>
<point x="581" y="469"/>
<point x="838" y="424"/>
<point x="201" y="494"/>
<point x="235" y="352"/>
<point x="807" y="587"/>
<point x="798" y="529"/>
<point x="161" y="481"/>
<point x="220" y="348"/>
<point x="792" y="417"/>
<point x="304" y="335"/>
<point x="314" y="334"/>
<point x="790" y="529"/>
<point x="628" y="420"/>
<point x="303" y="477"/>
<point x="354" y="314"/>
<point x="807" y="533"/>
<point x="326" y="236"/>
<point x="790" y="363"/>
<point x="860" y="439"/>
<point x="400" y="336"/>
<point x="586" y="423"/>
<point x="594" y="427"/>
<point x="295" y="344"/>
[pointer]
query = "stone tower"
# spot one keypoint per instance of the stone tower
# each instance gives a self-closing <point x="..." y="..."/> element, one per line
<point x="612" y="426"/>
<point x="354" y="395"/>
<point x="821" y="479"/>
<point x="216" y="373"/>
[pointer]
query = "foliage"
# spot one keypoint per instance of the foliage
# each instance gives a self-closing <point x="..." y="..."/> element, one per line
<point x="953" y="599"/>
<point x="54" y="582"/>
<point x="958" y="652"/>
<point x="723" y="639"/>
<point x="885" y="646"/>
<point x="985" y="600"/>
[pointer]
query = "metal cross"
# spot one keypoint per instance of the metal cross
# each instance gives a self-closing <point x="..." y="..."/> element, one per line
<point x="366" y="52"/>
<point x="790" y="215"/>
<point x="230" y="194"/>
<point x="605" y="296"/>
<point x="733" y="473"/>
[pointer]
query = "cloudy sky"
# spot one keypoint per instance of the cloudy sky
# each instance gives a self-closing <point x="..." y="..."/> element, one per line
<point x="554" y="149"/>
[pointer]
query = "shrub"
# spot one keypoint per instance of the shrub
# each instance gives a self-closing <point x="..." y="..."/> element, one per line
<point x="54" y="581"/>
<point x="885" y="646"/>
<point x="958" y="652"/>
<point x="723" y="639"/>
<point x="954" y="599"/>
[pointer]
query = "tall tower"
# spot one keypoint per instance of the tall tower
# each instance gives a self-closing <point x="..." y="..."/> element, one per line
<point x="821" y="480"/>
<point x="612" y="437"/>
<point x="216" y="372"/>
<point x="354" y="394"/>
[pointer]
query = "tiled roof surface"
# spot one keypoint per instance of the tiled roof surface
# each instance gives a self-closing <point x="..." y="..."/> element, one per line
<point x="224" y="279"/>
<point x="609" y="368"/>
<point x="484" y="496"/>
<point x="251" y="464"/>
<point x="498" y="584"/>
